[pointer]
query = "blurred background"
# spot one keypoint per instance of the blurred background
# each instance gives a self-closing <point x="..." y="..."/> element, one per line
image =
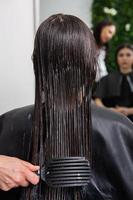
<point x="19" y="20"/>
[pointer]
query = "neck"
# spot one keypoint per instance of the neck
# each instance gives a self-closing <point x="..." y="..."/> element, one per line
<point x="125" y="71"/>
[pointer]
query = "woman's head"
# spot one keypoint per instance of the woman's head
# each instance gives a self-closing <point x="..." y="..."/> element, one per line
<point x="64" y="51"/>
<point x="103" y="32"/>
<point x="124" y="58"/>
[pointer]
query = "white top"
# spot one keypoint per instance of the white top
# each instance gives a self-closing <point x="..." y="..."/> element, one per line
<point x="101" y="69"/>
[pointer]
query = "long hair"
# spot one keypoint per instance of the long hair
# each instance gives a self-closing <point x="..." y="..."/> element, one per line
<point x="64" y="65"/>
<point x="120" y="47"/>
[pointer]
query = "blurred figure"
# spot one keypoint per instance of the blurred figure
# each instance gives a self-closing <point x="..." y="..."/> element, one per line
<point x="116" y="89"/>
<point x="103" y="33"/>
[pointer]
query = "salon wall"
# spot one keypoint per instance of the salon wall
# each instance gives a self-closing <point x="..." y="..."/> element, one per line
<point x="80" y="8"/>
<point x="16" y="45"/>
<point x="18" y="21"/>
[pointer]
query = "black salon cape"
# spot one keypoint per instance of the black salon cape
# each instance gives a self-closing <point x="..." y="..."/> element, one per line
<point x="116" y="89"/>
<point x="110" y="85"/>
<point x="112" y="151"/>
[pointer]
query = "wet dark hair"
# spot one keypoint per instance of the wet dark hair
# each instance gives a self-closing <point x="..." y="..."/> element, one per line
<point x="120" y="47"/>
<point x="65" y="60"/>
<point x="98" y="29"/>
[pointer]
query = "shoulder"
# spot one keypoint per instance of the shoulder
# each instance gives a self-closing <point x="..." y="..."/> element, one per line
<point x="16" y="120"/>
<point x="110" y="76"/>
<point x="109" y="123"/>
<point x="15" y="131"/>
<point x="17" y="112"/>
<point x="109" y="85"/>
<point x="112" y="136"/>
<point x="18" y="115"/>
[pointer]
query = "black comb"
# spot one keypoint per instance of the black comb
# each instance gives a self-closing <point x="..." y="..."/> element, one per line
<point x="66" y="172"/>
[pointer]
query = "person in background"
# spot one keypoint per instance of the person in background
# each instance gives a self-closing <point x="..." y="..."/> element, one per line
<point x="115" y="90"/>
<point x="103" y="33"/>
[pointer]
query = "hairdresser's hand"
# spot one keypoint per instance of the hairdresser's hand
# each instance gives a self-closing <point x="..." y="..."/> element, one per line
<point x="15" y="172"/>
<point x="124" y="110"/>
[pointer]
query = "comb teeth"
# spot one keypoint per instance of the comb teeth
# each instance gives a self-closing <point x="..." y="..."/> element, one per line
<point x="67" y="172"/>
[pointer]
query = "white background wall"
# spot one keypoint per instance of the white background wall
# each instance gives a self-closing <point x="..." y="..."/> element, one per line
<point x="80" y="8"/>
<point x="16" y="44"/>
